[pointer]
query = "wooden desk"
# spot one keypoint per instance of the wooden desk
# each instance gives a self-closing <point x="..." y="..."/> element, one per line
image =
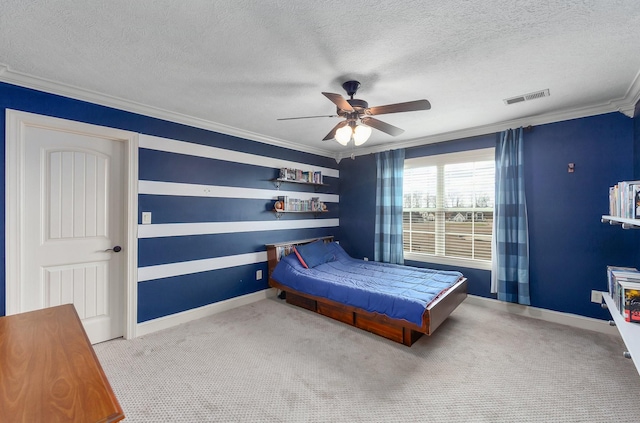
<point x="49" y="371"/>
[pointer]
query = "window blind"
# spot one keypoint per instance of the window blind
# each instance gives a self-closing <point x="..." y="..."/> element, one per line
<point x="448" y="207"/>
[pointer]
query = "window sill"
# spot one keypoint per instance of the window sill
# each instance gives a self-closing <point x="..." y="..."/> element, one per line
<point x="449" y="261"/>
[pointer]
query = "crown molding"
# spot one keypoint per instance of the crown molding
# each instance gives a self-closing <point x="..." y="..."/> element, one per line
<point x="52" y="87"/>
<point x="624" y="105"/>
<point x="627" y="104"/>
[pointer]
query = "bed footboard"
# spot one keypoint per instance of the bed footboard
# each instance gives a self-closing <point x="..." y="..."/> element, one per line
<point x="443" y="306"/>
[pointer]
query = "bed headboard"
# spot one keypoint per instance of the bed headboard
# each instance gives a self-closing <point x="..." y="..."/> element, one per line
<point x="276" y="251"/>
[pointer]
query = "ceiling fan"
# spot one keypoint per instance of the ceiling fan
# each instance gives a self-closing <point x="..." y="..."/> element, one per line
<point x="357" y="113"/>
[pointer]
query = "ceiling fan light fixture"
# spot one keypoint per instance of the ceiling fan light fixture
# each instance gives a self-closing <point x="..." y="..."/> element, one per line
<point x="361" y="134"/>
<point x="343" y="135"/>
<point x="355" y="110"/>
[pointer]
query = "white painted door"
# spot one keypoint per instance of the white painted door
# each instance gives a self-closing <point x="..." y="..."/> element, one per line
<point x="73" y="215"/>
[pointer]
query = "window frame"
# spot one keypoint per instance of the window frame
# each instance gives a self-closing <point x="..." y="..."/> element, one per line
<point x="482" y="154"/>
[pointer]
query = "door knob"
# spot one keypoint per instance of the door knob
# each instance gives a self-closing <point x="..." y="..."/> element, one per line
<point x="115" y="249"/>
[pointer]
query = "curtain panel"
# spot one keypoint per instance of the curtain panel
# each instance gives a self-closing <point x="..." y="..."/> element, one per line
<point x="388" y="228"/>
<point x="510" y="247"/>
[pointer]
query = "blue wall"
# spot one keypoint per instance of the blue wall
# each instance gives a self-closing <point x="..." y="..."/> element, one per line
<point x="357" y="205"/>
<point x="164" y="296"/>
<point x="636" y="146"/>
<point x="569" y="247"/>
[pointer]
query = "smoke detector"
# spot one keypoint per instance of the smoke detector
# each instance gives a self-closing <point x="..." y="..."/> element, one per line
<point x="526" y="97"/>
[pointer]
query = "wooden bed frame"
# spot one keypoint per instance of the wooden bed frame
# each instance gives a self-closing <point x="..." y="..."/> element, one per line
<point x="396" y="330"/>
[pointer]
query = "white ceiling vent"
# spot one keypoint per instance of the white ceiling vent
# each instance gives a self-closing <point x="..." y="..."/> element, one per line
<point x="527" y="97"/>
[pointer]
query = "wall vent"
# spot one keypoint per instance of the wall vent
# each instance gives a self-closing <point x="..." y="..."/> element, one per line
<point x="527" y="97"/>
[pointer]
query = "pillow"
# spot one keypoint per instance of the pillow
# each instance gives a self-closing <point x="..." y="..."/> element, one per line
<point x="313" y="254"/>
<point x="302" y="262"/>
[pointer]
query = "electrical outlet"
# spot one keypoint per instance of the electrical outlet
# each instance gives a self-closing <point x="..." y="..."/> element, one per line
<point x="258" y="275"/>
<point x="366" y="259"/>
<point x="596" y="296"/>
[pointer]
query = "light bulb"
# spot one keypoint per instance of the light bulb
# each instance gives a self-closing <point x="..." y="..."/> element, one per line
<point x="343" y="135"/>
<point x="361" y="134"/>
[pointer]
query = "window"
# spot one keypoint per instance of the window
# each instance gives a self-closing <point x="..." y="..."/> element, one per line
<point x="448" y="208"/>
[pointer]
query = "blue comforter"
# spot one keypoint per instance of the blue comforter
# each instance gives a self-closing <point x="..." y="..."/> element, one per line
<point x="399" y="292"/>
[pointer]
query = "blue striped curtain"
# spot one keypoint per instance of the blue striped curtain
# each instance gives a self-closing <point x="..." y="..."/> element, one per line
<point x="510" y="268"/>
<point x="388" y="231"/>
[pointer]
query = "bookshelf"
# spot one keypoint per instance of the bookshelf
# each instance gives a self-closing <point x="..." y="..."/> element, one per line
<point x="279" y="213"/>
<point x="278" y="182"/>
<point x="626" y="223"/>
<point x="284" y="204"/>
<point x="624" y="210"/>
<point x="630" y="332"/>
<point x="298" y="176"/>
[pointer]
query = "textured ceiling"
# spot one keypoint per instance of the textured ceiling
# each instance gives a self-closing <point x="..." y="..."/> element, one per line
<point x="238" y="65"/>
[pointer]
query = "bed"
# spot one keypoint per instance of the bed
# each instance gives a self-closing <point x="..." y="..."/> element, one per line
<point x="400" y="303"/>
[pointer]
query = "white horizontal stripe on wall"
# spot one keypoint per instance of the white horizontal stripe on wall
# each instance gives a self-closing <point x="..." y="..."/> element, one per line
<point x="196" y="190"/>
<point x="196" y="266"/>
<point x="208" y="228"/>
<point x="199" y="150"/>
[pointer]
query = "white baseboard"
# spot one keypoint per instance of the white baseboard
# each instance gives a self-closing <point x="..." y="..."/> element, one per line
<point x="166" y="322"/>
<point x="567" y="319"/>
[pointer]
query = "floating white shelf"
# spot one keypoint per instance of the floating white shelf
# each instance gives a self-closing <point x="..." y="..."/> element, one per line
<point x="277" y="182"/>
<point x="626" y="223"/>
<point x="279" y="213"/>
<point x="630" y="332"/>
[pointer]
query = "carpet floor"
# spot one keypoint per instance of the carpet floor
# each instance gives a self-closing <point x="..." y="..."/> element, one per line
<point x="272" y="362"/>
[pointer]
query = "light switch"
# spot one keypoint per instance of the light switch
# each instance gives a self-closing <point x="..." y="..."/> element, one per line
<point x="258" y="275"/>
<point x="146" y="218"/>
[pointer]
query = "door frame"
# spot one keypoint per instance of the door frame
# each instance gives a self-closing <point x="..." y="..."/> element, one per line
<point x="15" y="122"/>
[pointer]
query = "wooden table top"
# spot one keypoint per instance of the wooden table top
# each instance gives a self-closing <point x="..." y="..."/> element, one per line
<point x="49" y="371"/>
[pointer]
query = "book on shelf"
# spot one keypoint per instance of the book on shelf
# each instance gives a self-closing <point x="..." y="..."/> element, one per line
<point x="284" y="250"/>
<point x="288" y="204"/>
<point x="612" y="200"/>
<point x="629" y="200"/>
<point x="624" y="289"/>
<point x="624" y="200"/>
<point x="636" y="201"/>
<point x="614" y="272"/>
<point x="630" y="301"/>
<point x="299" y="175"/>
<point x="288" y="174"/>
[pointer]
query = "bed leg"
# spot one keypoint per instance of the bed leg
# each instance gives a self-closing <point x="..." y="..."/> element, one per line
<point x="409" y="336"/>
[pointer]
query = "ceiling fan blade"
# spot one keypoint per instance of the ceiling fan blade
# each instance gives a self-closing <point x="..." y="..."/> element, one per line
<point x="409" y="106"/>
<point x="382" y="126"/>
<point x="331" y="135"/>
<point x="307" y="117"/>
<point x="339" y="101"/>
